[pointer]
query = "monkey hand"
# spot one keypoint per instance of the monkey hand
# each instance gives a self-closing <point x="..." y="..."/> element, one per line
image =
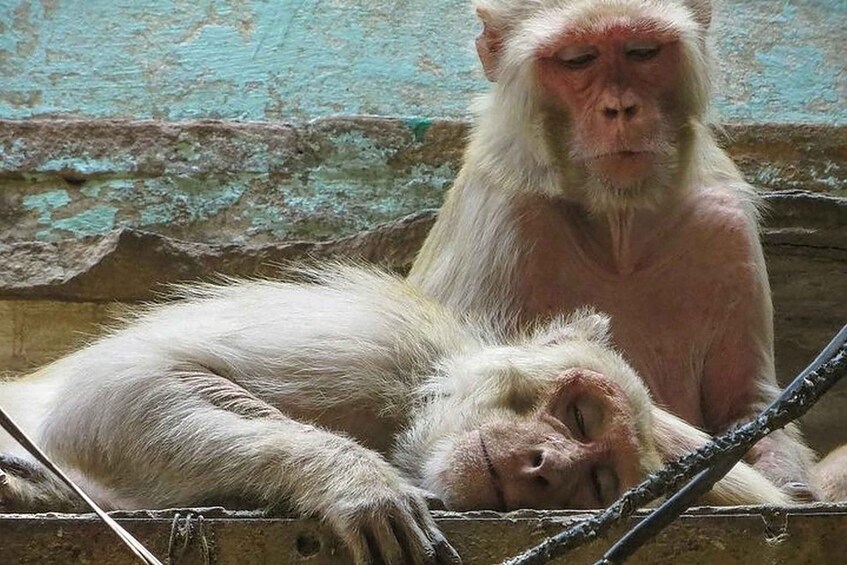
<point x="801" y="493"/>
<point x="379" y="516"/>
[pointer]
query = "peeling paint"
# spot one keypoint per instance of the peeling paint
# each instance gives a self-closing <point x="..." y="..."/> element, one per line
<point x="97" y="220"/>
<point x="786" y="63"/>
<point x="257" y="183"/>
<point x="82" y="165"/>
<point x="44" y="203"/>
<point x="419" y="127"/>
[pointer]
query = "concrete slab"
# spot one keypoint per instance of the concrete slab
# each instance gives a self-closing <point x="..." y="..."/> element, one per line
<point x="704" y="536"/>
<point x="300" y="59"/>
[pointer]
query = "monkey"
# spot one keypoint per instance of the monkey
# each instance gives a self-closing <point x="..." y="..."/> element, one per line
<point x="830" y="475"/>
<point x="347" y="395"/>
<point x="591" y="178"/>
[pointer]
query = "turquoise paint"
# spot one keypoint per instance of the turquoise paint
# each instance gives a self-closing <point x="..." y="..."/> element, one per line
<point x="46" y="202"/>
<point x="12" y="155"/>
<point x="95" y="221"/>
<point x="91" y="191"/>
<point x="794" y="69"/>
<point x="831" y="176"/>
<point x="425" y="178"/>
<point x="205" y="203"/>
<point x="84" y="165"/>
<point x="419" y="127"/>
<point x="302" y="59"/>
<point x="264" y="218"/>
<point x="156" y="214"/>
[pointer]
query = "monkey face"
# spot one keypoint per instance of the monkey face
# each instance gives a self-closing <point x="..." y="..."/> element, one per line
<point x="578" y="449"/>
<point x="617" y="88"/>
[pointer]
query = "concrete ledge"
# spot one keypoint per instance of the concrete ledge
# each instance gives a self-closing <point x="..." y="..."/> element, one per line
<point x="707" y="536"/>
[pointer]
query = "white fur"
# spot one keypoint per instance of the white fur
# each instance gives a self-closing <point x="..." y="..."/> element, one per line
<point x="188" y="403"/>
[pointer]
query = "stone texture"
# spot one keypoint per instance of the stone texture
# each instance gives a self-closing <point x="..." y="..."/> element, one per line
<point x="704" y="536"/>
<point x="75" y="283"/>
<point x="132" y="265"/>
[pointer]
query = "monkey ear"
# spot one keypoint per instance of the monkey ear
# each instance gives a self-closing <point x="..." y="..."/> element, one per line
<point x="702" y="11"/>
<point x="585" y="324"/>
<point x="488" y="45"/>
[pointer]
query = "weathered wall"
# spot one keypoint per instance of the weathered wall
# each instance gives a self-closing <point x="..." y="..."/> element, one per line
<point x="218" y="182"/>
<point x="301" y="59"/>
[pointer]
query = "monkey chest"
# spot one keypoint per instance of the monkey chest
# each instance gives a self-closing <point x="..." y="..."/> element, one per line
<point x="662" y="321"/>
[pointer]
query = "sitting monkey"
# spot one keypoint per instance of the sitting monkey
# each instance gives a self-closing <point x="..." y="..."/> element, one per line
<point x="344" y="397"/>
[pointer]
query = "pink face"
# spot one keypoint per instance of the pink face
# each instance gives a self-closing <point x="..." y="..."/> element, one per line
<point x="617" y="87"/>
<point x="578" y="450"/>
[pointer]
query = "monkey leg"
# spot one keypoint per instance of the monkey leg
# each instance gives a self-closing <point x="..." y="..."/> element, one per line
<point x="27" y="487"/>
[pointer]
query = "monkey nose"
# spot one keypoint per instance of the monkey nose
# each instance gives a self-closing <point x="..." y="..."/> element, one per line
<point x="616" y="111"/>
<point x="543" y="470"/>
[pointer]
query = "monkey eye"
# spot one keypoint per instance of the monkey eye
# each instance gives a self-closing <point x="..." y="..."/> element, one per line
<point x="576" y="57"/>
<point x="584" y="415"/>
<point x="579" y="420"/>
<point x="642" y="52"/>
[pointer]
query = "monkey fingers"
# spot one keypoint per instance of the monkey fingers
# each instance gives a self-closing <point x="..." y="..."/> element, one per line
<point x="396" y="531"/>
<point x="426" y="532"/>
<point x="24" y="487"/>
<point x="801" y="492"/>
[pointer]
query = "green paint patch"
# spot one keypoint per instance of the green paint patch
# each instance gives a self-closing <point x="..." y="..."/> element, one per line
<point x="203" y="198"/>
<point x="84" y="165"/>
<point x="46" y="202"/>
<point x="91" y="191"/>
<point x="419" y="127"/>
<point x="95" y="221"/>
<point x="156" y="214"/>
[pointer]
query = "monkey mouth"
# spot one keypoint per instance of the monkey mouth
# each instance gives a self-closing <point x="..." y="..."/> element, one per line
<point x="495" y="477"/>
<point x="626" y="154"/>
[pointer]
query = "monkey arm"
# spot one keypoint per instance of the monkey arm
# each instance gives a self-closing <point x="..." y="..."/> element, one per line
<point x="187" y="436"/>
<point x="739" y="376"/>
<point x="468" y="259"/>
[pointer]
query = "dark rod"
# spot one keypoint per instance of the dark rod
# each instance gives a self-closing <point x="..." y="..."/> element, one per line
<point x="795" y="400"/>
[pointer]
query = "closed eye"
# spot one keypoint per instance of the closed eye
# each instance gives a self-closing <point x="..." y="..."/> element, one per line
<point x="579" y="421"/>
<point x="642" y="53"/>
<point x="579" y="62"/>
<point x="598" y="488"/>
<point x="606" y="484"/>
<point x="576" y="56"/>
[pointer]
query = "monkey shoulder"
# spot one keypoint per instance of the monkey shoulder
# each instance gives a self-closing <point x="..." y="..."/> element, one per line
<point x="723" y="219"/>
